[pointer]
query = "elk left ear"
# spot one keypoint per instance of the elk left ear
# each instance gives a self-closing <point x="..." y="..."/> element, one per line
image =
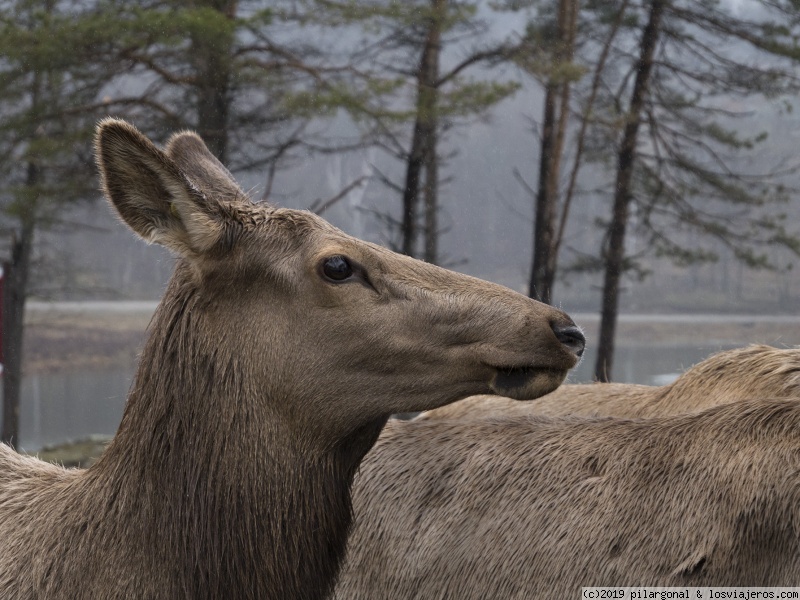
<point x="152" y="195"/>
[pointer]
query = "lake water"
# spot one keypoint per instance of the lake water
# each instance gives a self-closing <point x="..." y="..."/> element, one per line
<point x="66" y="406"/>
<point x="56" y="407"/>
<point x="649" y="365"/>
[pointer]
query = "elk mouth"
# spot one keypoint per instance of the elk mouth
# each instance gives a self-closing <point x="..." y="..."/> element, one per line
<point x="526" y="383"/>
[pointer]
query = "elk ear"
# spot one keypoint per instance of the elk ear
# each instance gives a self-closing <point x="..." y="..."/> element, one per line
<point x="194" y="158"/>
<point x="151" y="194"/>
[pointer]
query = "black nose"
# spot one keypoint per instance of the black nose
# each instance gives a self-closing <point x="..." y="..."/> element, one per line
<point x="572" y="337"/>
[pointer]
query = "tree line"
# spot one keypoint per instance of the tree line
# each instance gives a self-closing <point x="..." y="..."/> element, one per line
<point x="652" y="94"/>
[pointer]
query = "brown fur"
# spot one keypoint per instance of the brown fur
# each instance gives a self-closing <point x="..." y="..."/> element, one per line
<point x="260" y="388"/>
<point x="536" y="507"/>
<point x="755" y="371"/>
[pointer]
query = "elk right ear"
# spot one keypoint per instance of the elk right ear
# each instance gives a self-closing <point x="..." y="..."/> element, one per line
<point x="151" y="194"/>
<point x="194" y="158"/>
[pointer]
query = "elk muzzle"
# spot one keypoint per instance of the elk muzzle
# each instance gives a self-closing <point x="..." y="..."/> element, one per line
<point x="526" y="382"/>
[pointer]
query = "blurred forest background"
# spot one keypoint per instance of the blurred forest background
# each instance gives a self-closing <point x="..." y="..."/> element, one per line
<point x="603" y="155"/>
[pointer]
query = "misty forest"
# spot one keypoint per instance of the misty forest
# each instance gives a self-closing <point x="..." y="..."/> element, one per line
<point x="609" y="157"/>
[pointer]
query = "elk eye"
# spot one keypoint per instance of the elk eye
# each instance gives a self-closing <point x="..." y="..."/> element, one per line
<point x="337" y="268"/>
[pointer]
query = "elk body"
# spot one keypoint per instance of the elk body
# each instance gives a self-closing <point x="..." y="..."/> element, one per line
<point x="755" y="371"/>
<point x="279" y="350"/>
<point x="536" y="507"/>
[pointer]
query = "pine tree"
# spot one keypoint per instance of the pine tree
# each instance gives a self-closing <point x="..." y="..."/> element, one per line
<point x="48" y="99"/>
<point x="681" y="165"/>
<point x="404" y="86"/>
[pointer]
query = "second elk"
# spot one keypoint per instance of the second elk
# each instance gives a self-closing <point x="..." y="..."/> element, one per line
<point x="526" y="506"/>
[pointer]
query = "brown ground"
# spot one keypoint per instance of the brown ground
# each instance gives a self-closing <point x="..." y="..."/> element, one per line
<point x="56" y="340"/>
<point x="66" y="340"/>
<point x="80" y="453"/>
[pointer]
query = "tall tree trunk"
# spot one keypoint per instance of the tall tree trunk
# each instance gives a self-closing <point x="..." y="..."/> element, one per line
<point x="431" y="188"/>
<point x="212" y="56"/>
<point x="16" y="271"/>
<point x="554" y="127"/>
<point x="614" y="252"/>
<point x="424" y="124"/>
<point x="543" y="227"/>
<point x="431" y="201"/>
<point x="580" y="138"/>
<point x="411" y="189"/>
<point x="212" y="113"/>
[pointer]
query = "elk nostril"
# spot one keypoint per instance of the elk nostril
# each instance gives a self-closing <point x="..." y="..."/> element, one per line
<point x="572" y="337"/>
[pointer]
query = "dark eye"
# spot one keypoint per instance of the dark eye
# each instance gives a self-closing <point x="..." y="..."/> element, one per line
<point x="337" y="268"/>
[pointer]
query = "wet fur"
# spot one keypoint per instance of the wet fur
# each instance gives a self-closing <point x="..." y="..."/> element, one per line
<point x="536" y="507"/>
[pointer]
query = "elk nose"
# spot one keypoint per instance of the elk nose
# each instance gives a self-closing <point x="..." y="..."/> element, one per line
<point x="572" y="337"/>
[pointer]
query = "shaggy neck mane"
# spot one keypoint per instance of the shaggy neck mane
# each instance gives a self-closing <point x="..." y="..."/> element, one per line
<point x="231" y="504"/>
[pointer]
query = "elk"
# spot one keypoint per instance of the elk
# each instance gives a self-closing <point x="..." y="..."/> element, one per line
<point x="755" y="371"/>
<point x="536" y="507"/>
<point x="274" y="359"/>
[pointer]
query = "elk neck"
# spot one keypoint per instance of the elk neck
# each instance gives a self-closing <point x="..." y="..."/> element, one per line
<point x="237" y="504"/>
